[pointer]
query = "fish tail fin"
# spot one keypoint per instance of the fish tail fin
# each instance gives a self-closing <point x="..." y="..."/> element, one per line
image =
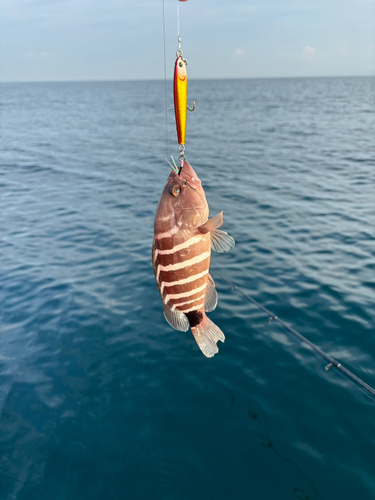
<point x="207" y="334"/>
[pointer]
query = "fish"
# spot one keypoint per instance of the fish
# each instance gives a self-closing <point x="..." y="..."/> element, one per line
<point x="181" y="253"/>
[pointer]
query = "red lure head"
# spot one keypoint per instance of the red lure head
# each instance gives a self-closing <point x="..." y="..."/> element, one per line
<point x="180" y="69"/>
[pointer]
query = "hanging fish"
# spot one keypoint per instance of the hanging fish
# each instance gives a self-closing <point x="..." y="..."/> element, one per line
<point x="181" y="254"/>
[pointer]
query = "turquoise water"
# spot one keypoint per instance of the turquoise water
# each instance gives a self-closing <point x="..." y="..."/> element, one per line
<point x="99" y="397"/>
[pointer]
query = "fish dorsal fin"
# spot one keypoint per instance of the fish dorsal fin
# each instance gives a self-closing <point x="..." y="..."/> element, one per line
<point x="212" y="223"/>
<point x="176" y="319"/>
<point x="221" y="241"/>
<point x="211" y="298"/>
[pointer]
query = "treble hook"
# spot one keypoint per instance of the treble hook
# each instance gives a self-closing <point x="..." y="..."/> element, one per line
<point x="193" y="107"/>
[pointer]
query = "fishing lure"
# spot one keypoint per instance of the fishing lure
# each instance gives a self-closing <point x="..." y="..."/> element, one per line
<point x="180" y="88"/>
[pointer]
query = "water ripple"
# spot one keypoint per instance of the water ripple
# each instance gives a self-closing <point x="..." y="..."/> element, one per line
<point x="97" y="392"/>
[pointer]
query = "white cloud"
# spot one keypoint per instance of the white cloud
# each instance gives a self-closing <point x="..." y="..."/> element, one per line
<point x="309" y="51"/>
<point x="33" y="55"/>
<point x="239" y="52"/>
<point x="92" y="39"/>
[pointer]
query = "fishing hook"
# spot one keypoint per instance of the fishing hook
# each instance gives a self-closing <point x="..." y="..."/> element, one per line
<point x="193" y="107"/>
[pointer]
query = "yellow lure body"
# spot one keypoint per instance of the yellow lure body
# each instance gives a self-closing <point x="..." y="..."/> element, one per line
<point x="180" y="98"/>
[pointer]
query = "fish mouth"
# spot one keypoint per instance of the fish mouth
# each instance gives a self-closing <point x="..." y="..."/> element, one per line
<point x="186" y="183"/>
<point x="188" y="177"/>
<point x="188" y="174"/>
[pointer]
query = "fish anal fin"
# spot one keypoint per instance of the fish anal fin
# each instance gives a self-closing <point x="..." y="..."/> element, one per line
<point x="211" y="298"/>
<point x="176" y="319"/>
<point x="212" y="223"/>
<point x="207" y="334"/>
<point x="221" y="241"/>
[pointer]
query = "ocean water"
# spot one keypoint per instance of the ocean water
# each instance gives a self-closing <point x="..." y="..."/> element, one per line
<point x="99" y="397"/>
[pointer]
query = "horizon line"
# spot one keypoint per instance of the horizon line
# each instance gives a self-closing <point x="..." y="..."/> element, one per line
<point x="191" y="79"/>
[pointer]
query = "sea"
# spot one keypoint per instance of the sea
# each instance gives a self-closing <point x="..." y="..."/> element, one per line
<point x="99" y="397"/>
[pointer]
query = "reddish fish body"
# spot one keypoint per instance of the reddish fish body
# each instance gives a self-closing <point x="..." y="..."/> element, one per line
<point x="181" y="256"/>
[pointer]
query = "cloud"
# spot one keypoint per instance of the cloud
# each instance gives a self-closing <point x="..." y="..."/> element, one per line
<point x="239" y="52"/>
<point x="309" y="51"/>
<point x="92" y="39"/>
<point x="33" y="55"/>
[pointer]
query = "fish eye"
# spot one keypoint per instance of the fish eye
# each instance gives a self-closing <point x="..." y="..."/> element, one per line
<point x="176" y="190"/>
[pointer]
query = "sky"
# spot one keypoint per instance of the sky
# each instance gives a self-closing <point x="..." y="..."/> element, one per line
<point x="73" y="40"/>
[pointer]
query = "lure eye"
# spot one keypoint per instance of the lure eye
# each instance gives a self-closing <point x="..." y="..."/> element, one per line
<point x="176" y="190"/>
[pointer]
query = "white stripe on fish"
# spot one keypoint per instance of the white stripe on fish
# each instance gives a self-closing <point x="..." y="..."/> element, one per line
<point x="167" y="298"/>
<point x="168" y="234"/>
<point x="181" y="265"/>
<point x="177" y="248"/>
<point x="173" y="308"/>
<point x="164" y="219"/>
<point x="196" y="307"/>
<point x="182" y="282"/>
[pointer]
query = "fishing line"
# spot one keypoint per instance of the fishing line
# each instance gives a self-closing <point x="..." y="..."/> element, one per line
<point x="165" y="85"/>
<point x="332" y="361"/>
<point x="178" y="19"/>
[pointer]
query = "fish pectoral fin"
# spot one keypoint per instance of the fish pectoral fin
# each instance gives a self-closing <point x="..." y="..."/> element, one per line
<point x="211" y="298"/>
<point x="212" y="223"/>
<point x="176" y="319"/>
<point x="221" y="241"/>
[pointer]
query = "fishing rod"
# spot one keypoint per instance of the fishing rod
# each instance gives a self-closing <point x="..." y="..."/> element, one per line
<point x="272" y="317"/>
